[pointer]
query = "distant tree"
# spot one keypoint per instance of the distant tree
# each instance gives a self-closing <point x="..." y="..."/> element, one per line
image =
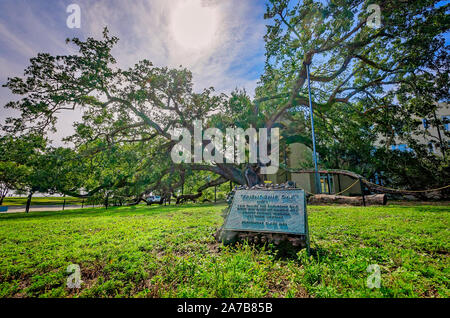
<point x="370" y="84"/>
<point x="29" y="165"/>
<point x="11" y="175"/>
<point x="17" y="158"/>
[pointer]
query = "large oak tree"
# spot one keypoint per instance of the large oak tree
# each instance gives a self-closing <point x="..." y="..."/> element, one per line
<point x="357" y="71"/>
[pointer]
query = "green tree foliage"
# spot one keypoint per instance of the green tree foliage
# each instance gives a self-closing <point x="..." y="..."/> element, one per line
<point x="370" y="85"/>
<point x="28" y="165"/>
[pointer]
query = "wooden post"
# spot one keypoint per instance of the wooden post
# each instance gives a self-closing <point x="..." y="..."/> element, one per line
<point x="285" y="163"/>
<point x="339" y="182"/>
<point x="329" y="183"/>
<point x="64" y="203"/>
<point x="215" y="194"/>
<point x="362" y="191"/>
<point x="82" y="204"/>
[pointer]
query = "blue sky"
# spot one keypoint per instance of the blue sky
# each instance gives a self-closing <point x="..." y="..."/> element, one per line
<point x="221" y="43"/>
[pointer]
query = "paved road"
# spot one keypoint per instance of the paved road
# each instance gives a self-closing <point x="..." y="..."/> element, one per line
<point x="39" y="208"/>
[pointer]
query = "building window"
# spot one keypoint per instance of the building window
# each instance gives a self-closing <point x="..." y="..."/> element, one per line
<point x="326" y="183"/>
<point x="425" y="123"/>
<point x="377" y="178"/>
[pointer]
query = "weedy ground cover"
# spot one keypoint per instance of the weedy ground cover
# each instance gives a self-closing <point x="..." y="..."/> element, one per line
<point x="169" y="251"/>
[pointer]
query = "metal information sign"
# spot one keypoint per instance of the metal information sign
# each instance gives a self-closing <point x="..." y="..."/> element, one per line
<point x="274" y="211"/>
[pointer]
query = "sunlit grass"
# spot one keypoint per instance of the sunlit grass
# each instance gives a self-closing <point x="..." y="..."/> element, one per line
<point x="169" y="251"/>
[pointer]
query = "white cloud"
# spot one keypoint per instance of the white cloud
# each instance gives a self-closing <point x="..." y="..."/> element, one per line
<point x="232" y="58"/>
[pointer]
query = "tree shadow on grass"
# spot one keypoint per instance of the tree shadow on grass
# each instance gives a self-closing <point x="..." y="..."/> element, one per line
<point x="102" y="211"/>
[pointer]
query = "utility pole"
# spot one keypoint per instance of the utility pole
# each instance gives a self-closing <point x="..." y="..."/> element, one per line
<point x="316" y="171"/>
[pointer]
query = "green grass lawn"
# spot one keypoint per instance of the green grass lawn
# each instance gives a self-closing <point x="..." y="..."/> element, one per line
<point x="170" y="252"/>
<point x="10" y="201"/>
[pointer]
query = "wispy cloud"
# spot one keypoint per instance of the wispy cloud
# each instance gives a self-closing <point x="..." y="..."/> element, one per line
<point x="144" y="29"/>
<point x="233" y="58"/>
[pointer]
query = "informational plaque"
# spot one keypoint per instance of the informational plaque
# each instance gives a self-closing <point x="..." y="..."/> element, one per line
<point x="274" y="211"/>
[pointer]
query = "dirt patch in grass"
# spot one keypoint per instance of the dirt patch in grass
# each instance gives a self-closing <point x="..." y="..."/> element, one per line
<point x="302" y="293"/>
<point x="279" y="283"/>
<point x="214" y="248"/>
<point x="25" y="282"/>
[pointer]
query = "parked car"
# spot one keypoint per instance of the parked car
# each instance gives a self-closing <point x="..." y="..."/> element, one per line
<point x="154" y="199"/>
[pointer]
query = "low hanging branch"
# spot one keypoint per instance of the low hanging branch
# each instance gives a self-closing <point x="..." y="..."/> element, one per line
<point x="193" y="197"/>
